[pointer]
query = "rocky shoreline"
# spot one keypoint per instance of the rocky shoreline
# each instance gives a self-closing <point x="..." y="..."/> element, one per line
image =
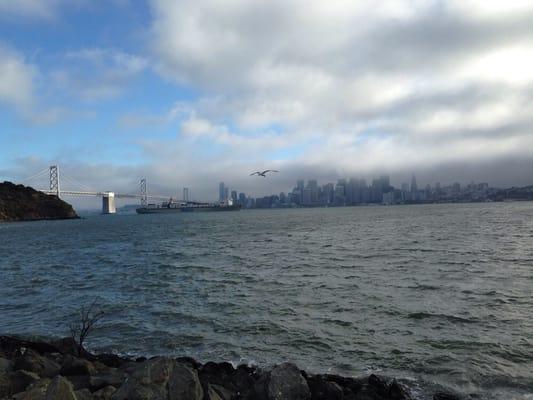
<point x="46" y="370"/>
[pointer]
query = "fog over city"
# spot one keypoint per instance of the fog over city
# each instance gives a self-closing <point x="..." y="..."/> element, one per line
<point x="188" y="93"/>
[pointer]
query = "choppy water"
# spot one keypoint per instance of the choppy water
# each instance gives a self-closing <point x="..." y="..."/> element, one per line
<point x="435" y="294"/>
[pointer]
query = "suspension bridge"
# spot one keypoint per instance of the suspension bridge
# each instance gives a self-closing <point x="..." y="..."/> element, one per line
<point x="108" y="197"/>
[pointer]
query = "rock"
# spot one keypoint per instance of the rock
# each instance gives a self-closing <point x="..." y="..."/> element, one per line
<point x="5" y="381"/>
<point x="287" y="383"/>
<point x="378" y="385"/>
<point x="446" y="396"/>
<point x="244" y="378"/>
<point x="76" y="366"/>
<point x="60" y="389"/>
<point x="84" y="394"/>
<point x="104" y="393"/>
<point x="20" y="380"/>
<point x="131" y="389"/>
<point x="112" y="377"/>
<point x="212" y="394"/>
<point x="157" y="370"/>
<point x="224" y="393"/>
<point x="398" y="392"/>
<point x="66" y="345"/>
<point x="36" y="391"/>
<point x="80" y="381"/>
<point x="322" y="389"/>
<point x="184" y="384"/>
<point x="33" y="362"/>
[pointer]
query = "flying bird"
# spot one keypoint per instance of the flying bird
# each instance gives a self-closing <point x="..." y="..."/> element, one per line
<point x="263" y="173"/>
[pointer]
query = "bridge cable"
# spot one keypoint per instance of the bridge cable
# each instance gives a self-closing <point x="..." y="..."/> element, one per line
<point x="35" y="175"/>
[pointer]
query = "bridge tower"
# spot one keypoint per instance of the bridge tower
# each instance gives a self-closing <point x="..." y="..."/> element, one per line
<point x="54" y="180"/>
<point x="108" y="203"/>
<point x="144" y="198"/>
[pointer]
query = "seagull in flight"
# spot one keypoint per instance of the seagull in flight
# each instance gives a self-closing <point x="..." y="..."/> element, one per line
<point x="263" y="173"/>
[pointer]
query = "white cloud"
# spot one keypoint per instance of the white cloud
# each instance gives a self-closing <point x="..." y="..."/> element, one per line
<point x="16" y="80"/>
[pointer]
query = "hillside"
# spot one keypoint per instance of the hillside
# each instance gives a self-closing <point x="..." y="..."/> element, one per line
<point x="22" y="203"/>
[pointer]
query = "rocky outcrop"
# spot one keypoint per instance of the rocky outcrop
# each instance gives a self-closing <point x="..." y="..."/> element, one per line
<point x="22" y="203"/>
<point x="41" y="371"/>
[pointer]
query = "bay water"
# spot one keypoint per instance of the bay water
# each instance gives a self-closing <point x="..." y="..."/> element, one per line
<point x="431" y="294"/>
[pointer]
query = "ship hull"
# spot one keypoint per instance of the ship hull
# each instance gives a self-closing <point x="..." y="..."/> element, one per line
<point x="173" y="210"/>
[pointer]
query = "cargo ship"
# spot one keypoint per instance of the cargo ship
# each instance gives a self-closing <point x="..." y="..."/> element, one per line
<point x="191" y="206"/>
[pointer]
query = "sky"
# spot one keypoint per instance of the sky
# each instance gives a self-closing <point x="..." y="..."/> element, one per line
<point x="187" y="93"/>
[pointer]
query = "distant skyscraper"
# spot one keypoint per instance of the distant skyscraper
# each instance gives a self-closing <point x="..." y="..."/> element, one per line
<point x="221" y="191"/>
<point x="234" y="196"/>
<point x="300" y="185"/>
<point x="414" y="187"/>
<point x="186" y="194"/>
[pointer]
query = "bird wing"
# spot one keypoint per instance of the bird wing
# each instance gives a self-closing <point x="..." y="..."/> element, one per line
<point x="255" y="173"/>
<point x="270" y="170"/>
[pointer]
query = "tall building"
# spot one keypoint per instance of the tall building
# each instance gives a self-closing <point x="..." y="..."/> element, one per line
<point x="221" y="192"/>
<point x="414" y="187"/>
<point x="185" y="194"/>
<point x="234" y="196"/>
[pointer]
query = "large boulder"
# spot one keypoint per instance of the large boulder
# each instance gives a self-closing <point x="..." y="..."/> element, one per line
<point x="184" y="384"/>
<point x="287" y="383"/>
<point x="160" y="378"/>
<point x="36" y="391"/>
<point x="323" y="389"/>
<point x="60" y="389"/>
<point x="76" y="366"/>
<point x="111" y="377"/>
<point x="30" y="360"/>
<point x="21" y="379"/>
<point x="5" y="381"/>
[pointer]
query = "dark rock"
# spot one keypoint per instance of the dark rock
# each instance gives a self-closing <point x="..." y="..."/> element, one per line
<point x="32" y="361"/>
<point x="287" y="383"/>
<point x="113" y="377"/>
<point x="22" y="203"/>
<point x="322" y="389"/>
<point x="216" y="373"/>
<point x="224" y="393"/>
<point x="378" y="384"/>
<point x="244" y="379"/>
<point x="110" y="360"/>
<point x="105" y="393"/>
<point x="66" y="345"/>
<point x="398" y="392"/>
<point x="134" y="390"/>
<point x="11" y="345"/>
<point x="446" y="396"/>
<point x="36" y="391"/>
<point x="5" y="381"/>
<point x="20" y="380"/>
<point x="157" y="371"/>
<point x="350" y="386"/>
<point x="80" y="381"/>
<point x="191" y="362"/>
<point x="212" y="394"/>
<point x="76" y="366"/>
<point x="84" y="394"/>
<point x="60" y="389"/>
<point x="184" y="384"/>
